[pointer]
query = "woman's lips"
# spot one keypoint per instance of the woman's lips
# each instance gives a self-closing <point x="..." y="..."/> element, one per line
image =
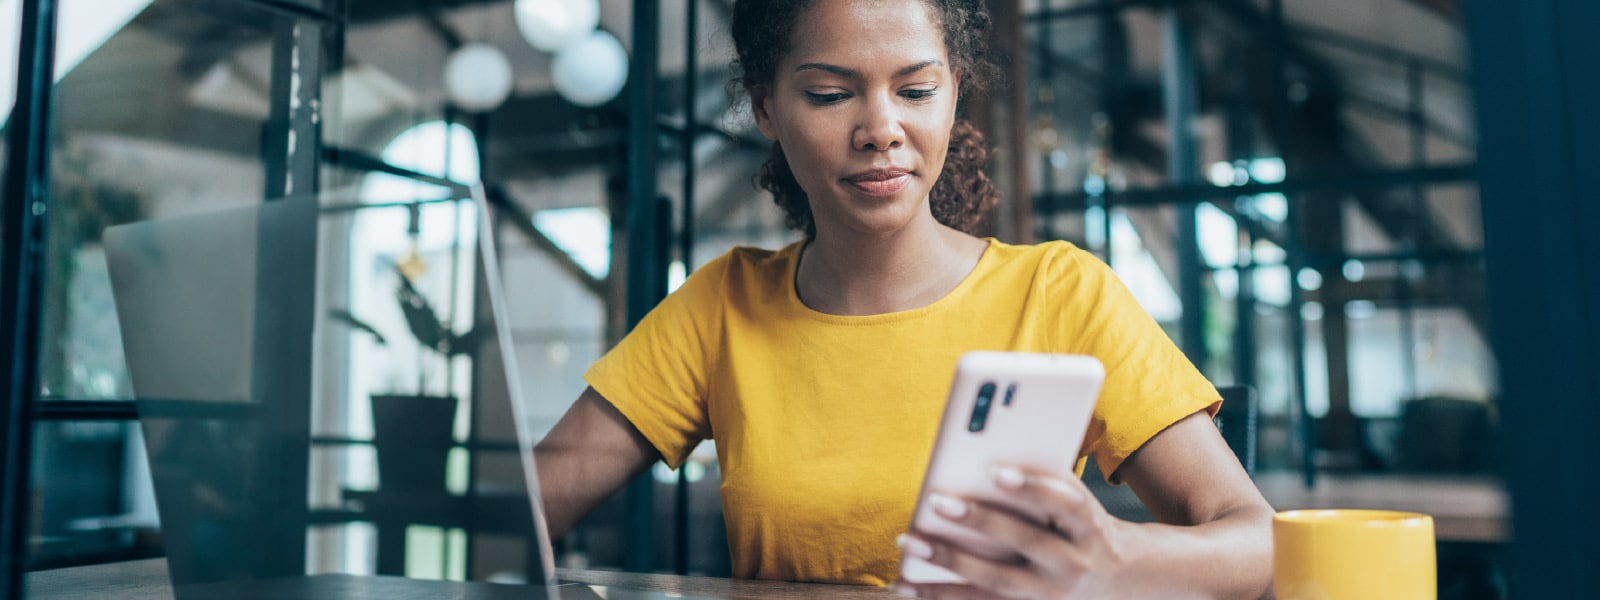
<point x="880" y="183"/>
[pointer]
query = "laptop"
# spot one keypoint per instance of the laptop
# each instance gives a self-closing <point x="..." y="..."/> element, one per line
<point x="241" y="340"/>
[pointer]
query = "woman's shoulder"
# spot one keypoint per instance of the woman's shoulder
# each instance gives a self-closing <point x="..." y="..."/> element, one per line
<point x="745" y="269"/>
<point x="1055" y="258"/>
<point x="1050" y="248"/>
<point x="761" y="259"/>
<point x="755" y="261"/>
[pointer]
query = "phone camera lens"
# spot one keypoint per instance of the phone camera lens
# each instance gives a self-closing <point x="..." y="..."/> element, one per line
<point x="980" y="407"/>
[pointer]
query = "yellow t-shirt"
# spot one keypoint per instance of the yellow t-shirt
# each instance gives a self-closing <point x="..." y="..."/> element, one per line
<point x="824" y="423"/>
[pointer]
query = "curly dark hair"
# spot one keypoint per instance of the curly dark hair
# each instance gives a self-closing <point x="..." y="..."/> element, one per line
<point x="963" y="191"/>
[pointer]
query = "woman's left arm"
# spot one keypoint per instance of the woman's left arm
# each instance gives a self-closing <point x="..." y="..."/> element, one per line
<point x="1214" y="539"/>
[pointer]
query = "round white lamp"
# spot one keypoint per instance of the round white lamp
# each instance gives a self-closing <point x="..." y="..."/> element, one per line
<point x="477" y="77"/>
<point x="592" y="70"/>
<point x="550" y="25"/>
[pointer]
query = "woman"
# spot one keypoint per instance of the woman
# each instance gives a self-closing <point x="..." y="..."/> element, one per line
<point x="820" y="369"/>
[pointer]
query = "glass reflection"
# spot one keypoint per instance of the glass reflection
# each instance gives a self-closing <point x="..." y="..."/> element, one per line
<point x="325" y="393"/>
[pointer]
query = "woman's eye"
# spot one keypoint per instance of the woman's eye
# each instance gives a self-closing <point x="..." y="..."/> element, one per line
<point x="919" y="94"/>
<point x="817" y="98"/>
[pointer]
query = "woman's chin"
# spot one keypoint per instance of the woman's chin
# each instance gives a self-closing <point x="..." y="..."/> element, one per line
<point x="881" y="221"/>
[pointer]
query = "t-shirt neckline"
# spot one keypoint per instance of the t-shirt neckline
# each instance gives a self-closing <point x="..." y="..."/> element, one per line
<point x="792" y="293"/>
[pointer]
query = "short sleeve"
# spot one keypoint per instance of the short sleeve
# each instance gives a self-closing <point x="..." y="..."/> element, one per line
<point x="657" y="376"/>
<point x="1150" y="384"/>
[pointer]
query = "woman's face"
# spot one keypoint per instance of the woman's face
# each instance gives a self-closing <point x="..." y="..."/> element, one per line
<point x="863" y="104"/>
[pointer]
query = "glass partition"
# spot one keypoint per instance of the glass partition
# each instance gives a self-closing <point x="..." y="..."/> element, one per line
<point x="186" y="135"/>
<point x="160" y="108"/>
<point x="324" y="390"/>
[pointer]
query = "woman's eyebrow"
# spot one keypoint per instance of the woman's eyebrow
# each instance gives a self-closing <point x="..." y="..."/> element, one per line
<point x="852" y="73"/>
<point x="907" y="70"/>
<point x="835" y="69"/>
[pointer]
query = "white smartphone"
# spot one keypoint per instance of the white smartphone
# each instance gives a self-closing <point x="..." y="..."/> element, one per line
<point x="1022" y="409"/>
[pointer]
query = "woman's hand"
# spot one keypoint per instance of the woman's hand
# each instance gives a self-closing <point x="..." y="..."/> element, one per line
<point x="1214" y="539"/>
<point x="1063" y="543"/>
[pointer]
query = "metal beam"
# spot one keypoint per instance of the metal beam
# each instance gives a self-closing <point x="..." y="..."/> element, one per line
<point x="433" y="19"/>
<point x="22" y="243"/>
<point x="1376" y="50"/>
<point x="1449" y="9"/>
<point x="521" y="220"/>
<point x="691" y="51"/>
<point x="499" y="199"/>
<point x="300" y="10"/>
<point x="84" y="410"/>
<point x="363" y="161"/>
<point x="1379" y="108"/>
<point x="1347" y="181"/>
<point x="285" y="286"/>
<point x="1275" y="26"/>
<point x="646" y="280"/>
<point x="375" y="12"/>
<point x="290" y="145"/>
<point x="1179" y="81"/>
<point x="1048" y="15"/>
<point x="1240" y="140"/>
<point x="1320" y="139"/>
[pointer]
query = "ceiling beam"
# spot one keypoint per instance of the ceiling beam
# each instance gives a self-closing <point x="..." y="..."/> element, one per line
<point x="1449" y="9"/>
<point x="522" y="220"/>
<point x="360" y="12"/>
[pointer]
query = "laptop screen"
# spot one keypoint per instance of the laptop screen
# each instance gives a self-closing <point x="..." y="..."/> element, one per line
<point x="324" y="388"/>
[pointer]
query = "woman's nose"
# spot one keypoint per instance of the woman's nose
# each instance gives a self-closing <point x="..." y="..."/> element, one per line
<point x="879" y="127"/>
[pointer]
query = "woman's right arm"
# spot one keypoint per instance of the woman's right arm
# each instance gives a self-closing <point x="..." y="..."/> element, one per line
<point x="592" y="451"/>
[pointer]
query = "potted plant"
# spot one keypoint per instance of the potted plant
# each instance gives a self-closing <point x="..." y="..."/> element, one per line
<point x="413" y="433"/>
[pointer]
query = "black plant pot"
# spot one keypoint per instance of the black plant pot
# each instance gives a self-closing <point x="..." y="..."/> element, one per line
<point x="412" y="435"/>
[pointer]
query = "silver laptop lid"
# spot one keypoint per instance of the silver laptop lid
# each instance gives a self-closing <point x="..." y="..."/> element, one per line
<point x="325" y="386"/>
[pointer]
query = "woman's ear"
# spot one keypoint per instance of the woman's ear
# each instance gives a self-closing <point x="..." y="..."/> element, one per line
<point x="761" y="108"/>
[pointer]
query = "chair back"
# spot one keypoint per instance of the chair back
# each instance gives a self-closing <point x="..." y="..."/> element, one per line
<point x="1238" y="421"/>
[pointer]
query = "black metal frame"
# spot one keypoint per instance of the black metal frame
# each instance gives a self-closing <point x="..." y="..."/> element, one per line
<point x="291" y="168"/>
<point x="1277" y="26"/>
<point x="1347" y="181"/>
<point x="291" y="151"/>
<point x="25" y="203"/>
<point x="52" y="409"/>
<point x="1185" y="190"/>
<point x="691" y="76"/>
<point x="84" y="410"/>
<point x="1180" y="81"/>
<point x="646" y="272"/>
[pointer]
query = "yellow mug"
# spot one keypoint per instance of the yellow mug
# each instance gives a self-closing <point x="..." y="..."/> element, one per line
<point x="1353" y="554"/>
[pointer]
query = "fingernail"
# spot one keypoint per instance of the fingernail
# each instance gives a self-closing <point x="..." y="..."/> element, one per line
<point x="1007" y="477"/>
<point x="914" y="546"/>
<point x="949" y="507"/>
<point x="1066" y="488"/>
<point x="901" y="589"/>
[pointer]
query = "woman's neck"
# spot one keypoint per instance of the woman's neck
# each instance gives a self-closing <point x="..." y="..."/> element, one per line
<point x="853" y="273"/>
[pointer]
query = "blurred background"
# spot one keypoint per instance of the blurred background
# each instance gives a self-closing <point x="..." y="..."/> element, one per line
<point x="1288" y="186"/>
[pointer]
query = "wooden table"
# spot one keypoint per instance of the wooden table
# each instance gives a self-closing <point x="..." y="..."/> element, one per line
<point x="1464" y="509"/>
<point x="717" y="587"/>
<point x="147" y="580"/>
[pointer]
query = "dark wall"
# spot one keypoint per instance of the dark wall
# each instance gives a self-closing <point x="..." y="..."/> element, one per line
<point x="1536" y="81"/>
